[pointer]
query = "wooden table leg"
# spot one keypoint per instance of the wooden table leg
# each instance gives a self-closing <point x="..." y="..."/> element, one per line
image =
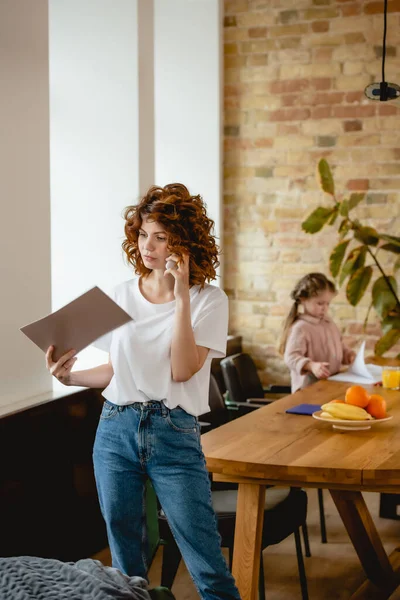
<point x="366" y="541"/>
<point x="248" y="534"/>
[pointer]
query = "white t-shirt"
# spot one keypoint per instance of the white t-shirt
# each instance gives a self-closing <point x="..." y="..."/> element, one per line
<point x="140" y="351"/>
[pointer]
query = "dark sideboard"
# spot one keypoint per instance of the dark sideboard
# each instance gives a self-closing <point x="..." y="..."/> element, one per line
<point x="48" y="499"/>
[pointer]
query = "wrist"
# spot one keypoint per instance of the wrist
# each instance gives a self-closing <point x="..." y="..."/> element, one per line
<point x="183" y="301"/>
<point x="70" y="380"/>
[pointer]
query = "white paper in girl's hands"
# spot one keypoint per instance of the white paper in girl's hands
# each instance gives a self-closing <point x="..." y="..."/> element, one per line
<point x="359" y="372"/>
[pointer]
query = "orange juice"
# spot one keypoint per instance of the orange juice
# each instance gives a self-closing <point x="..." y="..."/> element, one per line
<point x="391" y="378"/>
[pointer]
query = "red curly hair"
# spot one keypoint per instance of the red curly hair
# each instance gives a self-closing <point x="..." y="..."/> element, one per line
<point x="189" y="229"/>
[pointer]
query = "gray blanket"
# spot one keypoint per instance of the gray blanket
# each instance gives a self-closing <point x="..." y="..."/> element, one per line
<point x="32" y="578"/>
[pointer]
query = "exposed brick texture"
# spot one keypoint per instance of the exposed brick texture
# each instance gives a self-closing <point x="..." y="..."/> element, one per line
<point x="295" y="74"/>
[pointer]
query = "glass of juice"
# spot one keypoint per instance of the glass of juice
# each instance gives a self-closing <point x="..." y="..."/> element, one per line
<point x="391" y="378"/>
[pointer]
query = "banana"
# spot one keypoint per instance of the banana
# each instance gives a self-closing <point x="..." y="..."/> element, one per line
<point x="326" y="415"/>
<point x="346" y="411"/>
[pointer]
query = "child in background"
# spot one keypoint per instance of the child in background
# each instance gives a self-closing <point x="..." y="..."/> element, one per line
<point x="311" y="342"/>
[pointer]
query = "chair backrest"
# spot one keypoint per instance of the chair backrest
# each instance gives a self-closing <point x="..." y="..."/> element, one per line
<point x="233" y="346"/>
<point x="217" y="374"/>
<point x="241" y="377"/>
<point x="218" y="414"/>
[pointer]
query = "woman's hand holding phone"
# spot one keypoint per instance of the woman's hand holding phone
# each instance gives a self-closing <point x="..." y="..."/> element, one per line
<point x="179" y="269"/>
<point x="171" y="264"/>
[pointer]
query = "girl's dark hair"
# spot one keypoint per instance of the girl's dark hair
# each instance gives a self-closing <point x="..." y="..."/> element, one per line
<point x="185" y="220"/>
<point x="310" y="285"/>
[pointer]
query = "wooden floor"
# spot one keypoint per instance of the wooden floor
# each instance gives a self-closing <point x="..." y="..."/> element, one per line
<point x="333" y="570"/>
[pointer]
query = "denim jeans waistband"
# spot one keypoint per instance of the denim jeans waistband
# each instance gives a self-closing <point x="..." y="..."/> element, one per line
<point x="156" y="405"/>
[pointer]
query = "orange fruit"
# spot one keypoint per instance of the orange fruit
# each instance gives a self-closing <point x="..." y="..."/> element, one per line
<point x="337" y="401"/>
<point x="376" y="406"/>
<point x="357" y="395"/>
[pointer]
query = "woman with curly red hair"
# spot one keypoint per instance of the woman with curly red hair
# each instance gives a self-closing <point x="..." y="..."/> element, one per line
<point x="156" y="385"/>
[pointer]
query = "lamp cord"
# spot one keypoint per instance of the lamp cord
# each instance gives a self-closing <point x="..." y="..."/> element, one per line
<point x="385" y="91"/>
<point x="384" y="40"/>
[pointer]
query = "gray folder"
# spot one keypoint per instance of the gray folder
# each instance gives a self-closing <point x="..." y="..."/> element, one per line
<point x="77" y="324"/>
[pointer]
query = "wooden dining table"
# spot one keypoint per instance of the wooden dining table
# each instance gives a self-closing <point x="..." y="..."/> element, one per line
<point x="270" y="447"/>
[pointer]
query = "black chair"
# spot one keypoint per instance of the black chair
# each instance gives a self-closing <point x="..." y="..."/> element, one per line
<point x="285" y="512"/>
<point x="220" y="411"/>
<point x="244" y="385"/>
<point x="285" y="509"/>
<point x="243" y="382"/>
<point x="233" y="346"/>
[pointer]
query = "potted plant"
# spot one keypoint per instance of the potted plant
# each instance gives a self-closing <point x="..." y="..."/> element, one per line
<point x="355" y="258"/>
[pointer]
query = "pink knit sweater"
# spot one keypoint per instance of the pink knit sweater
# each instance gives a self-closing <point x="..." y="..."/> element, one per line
<point x="318" y="340"/>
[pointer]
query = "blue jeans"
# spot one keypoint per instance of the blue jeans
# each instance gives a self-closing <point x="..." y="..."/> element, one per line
<point x="141" y="441"/>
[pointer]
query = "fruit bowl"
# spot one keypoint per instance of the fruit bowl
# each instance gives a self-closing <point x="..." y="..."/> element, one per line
<point x="349" y="425"/>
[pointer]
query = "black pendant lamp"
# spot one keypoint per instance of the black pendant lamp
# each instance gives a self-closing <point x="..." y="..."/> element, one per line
<point x="383" y="91"/>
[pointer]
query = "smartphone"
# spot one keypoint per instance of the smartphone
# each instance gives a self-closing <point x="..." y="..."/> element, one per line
<point x="170" y="264"/>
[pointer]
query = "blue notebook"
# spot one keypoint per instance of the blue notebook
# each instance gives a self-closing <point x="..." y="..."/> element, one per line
<point x="304" y="409"/>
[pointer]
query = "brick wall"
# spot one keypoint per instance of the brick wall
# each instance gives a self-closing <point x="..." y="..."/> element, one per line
<point x="295" y="71"/>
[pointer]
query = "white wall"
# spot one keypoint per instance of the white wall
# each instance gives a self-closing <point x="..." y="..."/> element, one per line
<point x="94" y="144"/>
<point x="146" y="94"/>
<point x="105" y="146"/>
<point x="24" y="193"/>
<point x="94" y="140"/>
<point x="188" y="98"/>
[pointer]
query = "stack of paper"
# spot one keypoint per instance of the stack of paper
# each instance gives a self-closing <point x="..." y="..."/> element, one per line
<point x="359" y="372"/>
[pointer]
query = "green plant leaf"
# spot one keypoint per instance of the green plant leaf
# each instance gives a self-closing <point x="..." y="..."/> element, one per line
<point x="337" y="256"/>
<point x="390" y="248"/>
<point x="334" y="215"/>
<point x="344" y="208"/>
<point x="382" y="298"/>
<point x="387" y="341"/>
<point x="357" y="284"/>
<point x="389" y="323"/>
<point x="392" y="239"/>
<point x="367" y="235"/>
<point x="344" y="228"/>
<point x="326" y="178"/>
<point x="318" y="218"/>
<point x="355" y="199"/>
<point x="354" y="261"/>
<point x="367" y="316"/>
